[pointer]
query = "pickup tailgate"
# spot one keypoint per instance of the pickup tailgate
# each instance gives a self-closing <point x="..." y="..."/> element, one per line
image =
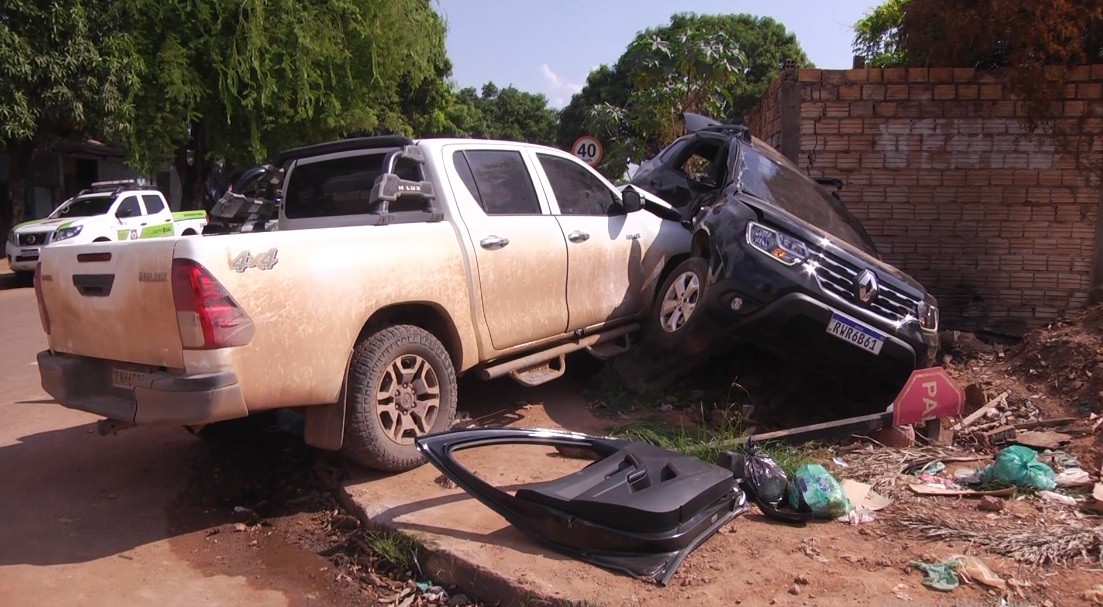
<point x="113" y="301"/>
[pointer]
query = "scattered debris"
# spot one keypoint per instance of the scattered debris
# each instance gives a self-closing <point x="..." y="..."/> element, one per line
<point x="802" y="580"/>
<point x="940" y="576"/>
<point x="1094" y="595"/>
<point x="990" y="503"/>
<point x="1056" y="498"/>
<point x="814" y="487"/>
<point x="1074" y="477"/>
<point x="924" y="489"/>
<point x="794" y="590"/>
<point x="1018" y="466"/>
<point x="1042" y="440"/>
<point x="1054" y="544"/>
<point x="973" y="570"/>
<point x="975" y="415"/>
<point x="240" y="527"/>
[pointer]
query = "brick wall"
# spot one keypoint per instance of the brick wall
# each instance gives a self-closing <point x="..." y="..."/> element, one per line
<point x="999" y="225"/>
<point x="765" y="119"/>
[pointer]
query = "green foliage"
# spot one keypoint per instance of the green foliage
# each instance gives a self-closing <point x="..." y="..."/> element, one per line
<point x="61" y="71"/>
<point x="393" y="548"/>
<point x="877" y="35"/>
<point x="257" y="76"/>
<point x="502" y="114"/>
<point x="718" y="65"/>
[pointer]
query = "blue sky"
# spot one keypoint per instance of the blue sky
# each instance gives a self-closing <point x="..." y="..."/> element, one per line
<point x="548" y="46"/>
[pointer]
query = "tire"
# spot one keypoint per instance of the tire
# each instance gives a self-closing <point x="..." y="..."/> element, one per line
<point x="189" y="232"/>
<point x="679" y="306"/>
<point x="403" y="363"/>
<point x="102" y="239"/>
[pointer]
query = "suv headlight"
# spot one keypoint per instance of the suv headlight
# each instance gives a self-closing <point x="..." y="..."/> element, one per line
<point x="12" y="238"/>
<point x="928" y="316"/>
<point x="782" y="247"/>
<point x="66" y="233"/>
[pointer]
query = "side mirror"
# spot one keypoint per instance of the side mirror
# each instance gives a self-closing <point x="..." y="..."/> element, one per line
<point x="122" y="213"/>
<point x="631" y="200"/>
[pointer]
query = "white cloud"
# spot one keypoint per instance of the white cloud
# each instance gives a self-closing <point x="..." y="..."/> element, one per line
<point x="559" y="90"/>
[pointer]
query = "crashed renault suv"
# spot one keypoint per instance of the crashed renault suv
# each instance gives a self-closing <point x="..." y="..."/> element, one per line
<point x="778" y="261"/>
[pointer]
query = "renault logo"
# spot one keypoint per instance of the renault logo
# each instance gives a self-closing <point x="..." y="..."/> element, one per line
<point x="867" y="286"/>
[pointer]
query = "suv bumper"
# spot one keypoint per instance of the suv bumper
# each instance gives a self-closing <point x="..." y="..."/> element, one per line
<point x="21" y="259"/>
<point x="157" y="397"/>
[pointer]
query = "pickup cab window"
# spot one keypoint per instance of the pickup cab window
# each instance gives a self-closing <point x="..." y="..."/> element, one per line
<point x="577" y="190"/>
<point x="498" y="180"/>
<point x="341" y="186"/>
<point x="129" y="207"/>
<point x="153" y="204"/>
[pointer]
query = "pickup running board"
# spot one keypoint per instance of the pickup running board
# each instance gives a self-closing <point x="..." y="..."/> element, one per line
<point x="537" y="368"/>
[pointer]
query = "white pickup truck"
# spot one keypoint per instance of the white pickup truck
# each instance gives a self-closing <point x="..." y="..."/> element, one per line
<point x="108" y="211"/>
<point x="398" y="265"/>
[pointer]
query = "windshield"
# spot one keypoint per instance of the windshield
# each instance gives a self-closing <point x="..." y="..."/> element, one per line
<point x="767" y="175"/>
<point x="83" y="207"/>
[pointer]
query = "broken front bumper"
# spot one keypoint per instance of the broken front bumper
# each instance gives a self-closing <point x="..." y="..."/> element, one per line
<point x="638" y="508"/>
<point x="149" y="396"/>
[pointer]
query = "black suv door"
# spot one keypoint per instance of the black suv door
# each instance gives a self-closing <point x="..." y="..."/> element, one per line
<point x="688" y="172"/>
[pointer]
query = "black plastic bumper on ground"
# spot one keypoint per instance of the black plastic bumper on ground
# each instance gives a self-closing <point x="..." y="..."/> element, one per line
<point x="158" y="397"/>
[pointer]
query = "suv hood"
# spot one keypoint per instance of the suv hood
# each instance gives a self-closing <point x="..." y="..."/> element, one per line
<point x="814" y="235"/>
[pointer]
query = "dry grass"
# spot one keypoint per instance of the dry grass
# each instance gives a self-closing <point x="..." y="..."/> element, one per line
<point x="1050" y="545"/>
<point x="881" y="467"/>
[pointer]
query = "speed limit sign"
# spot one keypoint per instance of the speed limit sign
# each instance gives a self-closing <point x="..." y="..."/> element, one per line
<point x="588" y="149"/>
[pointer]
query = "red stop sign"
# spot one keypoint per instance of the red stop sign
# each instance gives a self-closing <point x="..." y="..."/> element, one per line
<point x="928" y="394"/>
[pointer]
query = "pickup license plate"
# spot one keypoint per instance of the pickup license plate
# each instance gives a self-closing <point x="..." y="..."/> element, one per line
<point x="125" y="378"/>
<point x="29" y="252"/>
<point x="855" y="333"/>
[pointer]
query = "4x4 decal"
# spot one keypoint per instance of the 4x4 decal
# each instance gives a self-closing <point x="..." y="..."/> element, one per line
<point x="246" y="260"/>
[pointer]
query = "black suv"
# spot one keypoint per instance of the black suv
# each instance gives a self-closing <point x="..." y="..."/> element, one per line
<point x="778" y="261"/>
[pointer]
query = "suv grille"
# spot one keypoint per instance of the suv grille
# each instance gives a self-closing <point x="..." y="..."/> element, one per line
<point x="839" y="278"/>
<point x="36" y="239"/>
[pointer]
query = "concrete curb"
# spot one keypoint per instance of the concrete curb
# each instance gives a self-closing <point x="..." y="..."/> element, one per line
<point x="447" y="568"/>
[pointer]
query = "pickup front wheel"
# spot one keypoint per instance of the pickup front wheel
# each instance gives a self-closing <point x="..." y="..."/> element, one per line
<point x="401" y="385"/>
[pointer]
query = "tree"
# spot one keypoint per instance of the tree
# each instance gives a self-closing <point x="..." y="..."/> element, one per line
<point x="502" y="114"/>
<point x="239" y="80"/>
<point x="63" y="75"/>
<point x="877" y="35"/>
<point x="718" y="65"/>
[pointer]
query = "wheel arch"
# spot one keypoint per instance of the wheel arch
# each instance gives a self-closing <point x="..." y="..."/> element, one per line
<point x="325" y="424"/>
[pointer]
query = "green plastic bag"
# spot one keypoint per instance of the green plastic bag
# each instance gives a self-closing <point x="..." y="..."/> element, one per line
<point x="1017" y="465"/>
<point x="813" y="488"/>
<point x="940" y="576"/>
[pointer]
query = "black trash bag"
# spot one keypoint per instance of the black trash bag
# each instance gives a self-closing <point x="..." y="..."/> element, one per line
<point x="763" y="480"/>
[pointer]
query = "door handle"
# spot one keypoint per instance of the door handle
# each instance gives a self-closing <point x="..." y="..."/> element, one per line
<point x="143" y="224"/>
<point x="493" y="242"/>
<point x="577" y="236"/>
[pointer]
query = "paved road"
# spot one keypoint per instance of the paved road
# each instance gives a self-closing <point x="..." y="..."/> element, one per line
<point x="85" y="519"/>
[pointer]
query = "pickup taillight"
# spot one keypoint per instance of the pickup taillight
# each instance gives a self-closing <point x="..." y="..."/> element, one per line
<point x="43" y="315"/>
<point x="206" y="314"/>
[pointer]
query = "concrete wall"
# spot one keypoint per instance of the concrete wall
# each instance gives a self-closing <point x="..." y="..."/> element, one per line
<point x="998" y="224"/>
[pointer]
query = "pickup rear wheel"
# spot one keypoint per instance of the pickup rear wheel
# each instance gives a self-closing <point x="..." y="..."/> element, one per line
<point x="401" y="385"/>
<point x="678" y="305"/>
